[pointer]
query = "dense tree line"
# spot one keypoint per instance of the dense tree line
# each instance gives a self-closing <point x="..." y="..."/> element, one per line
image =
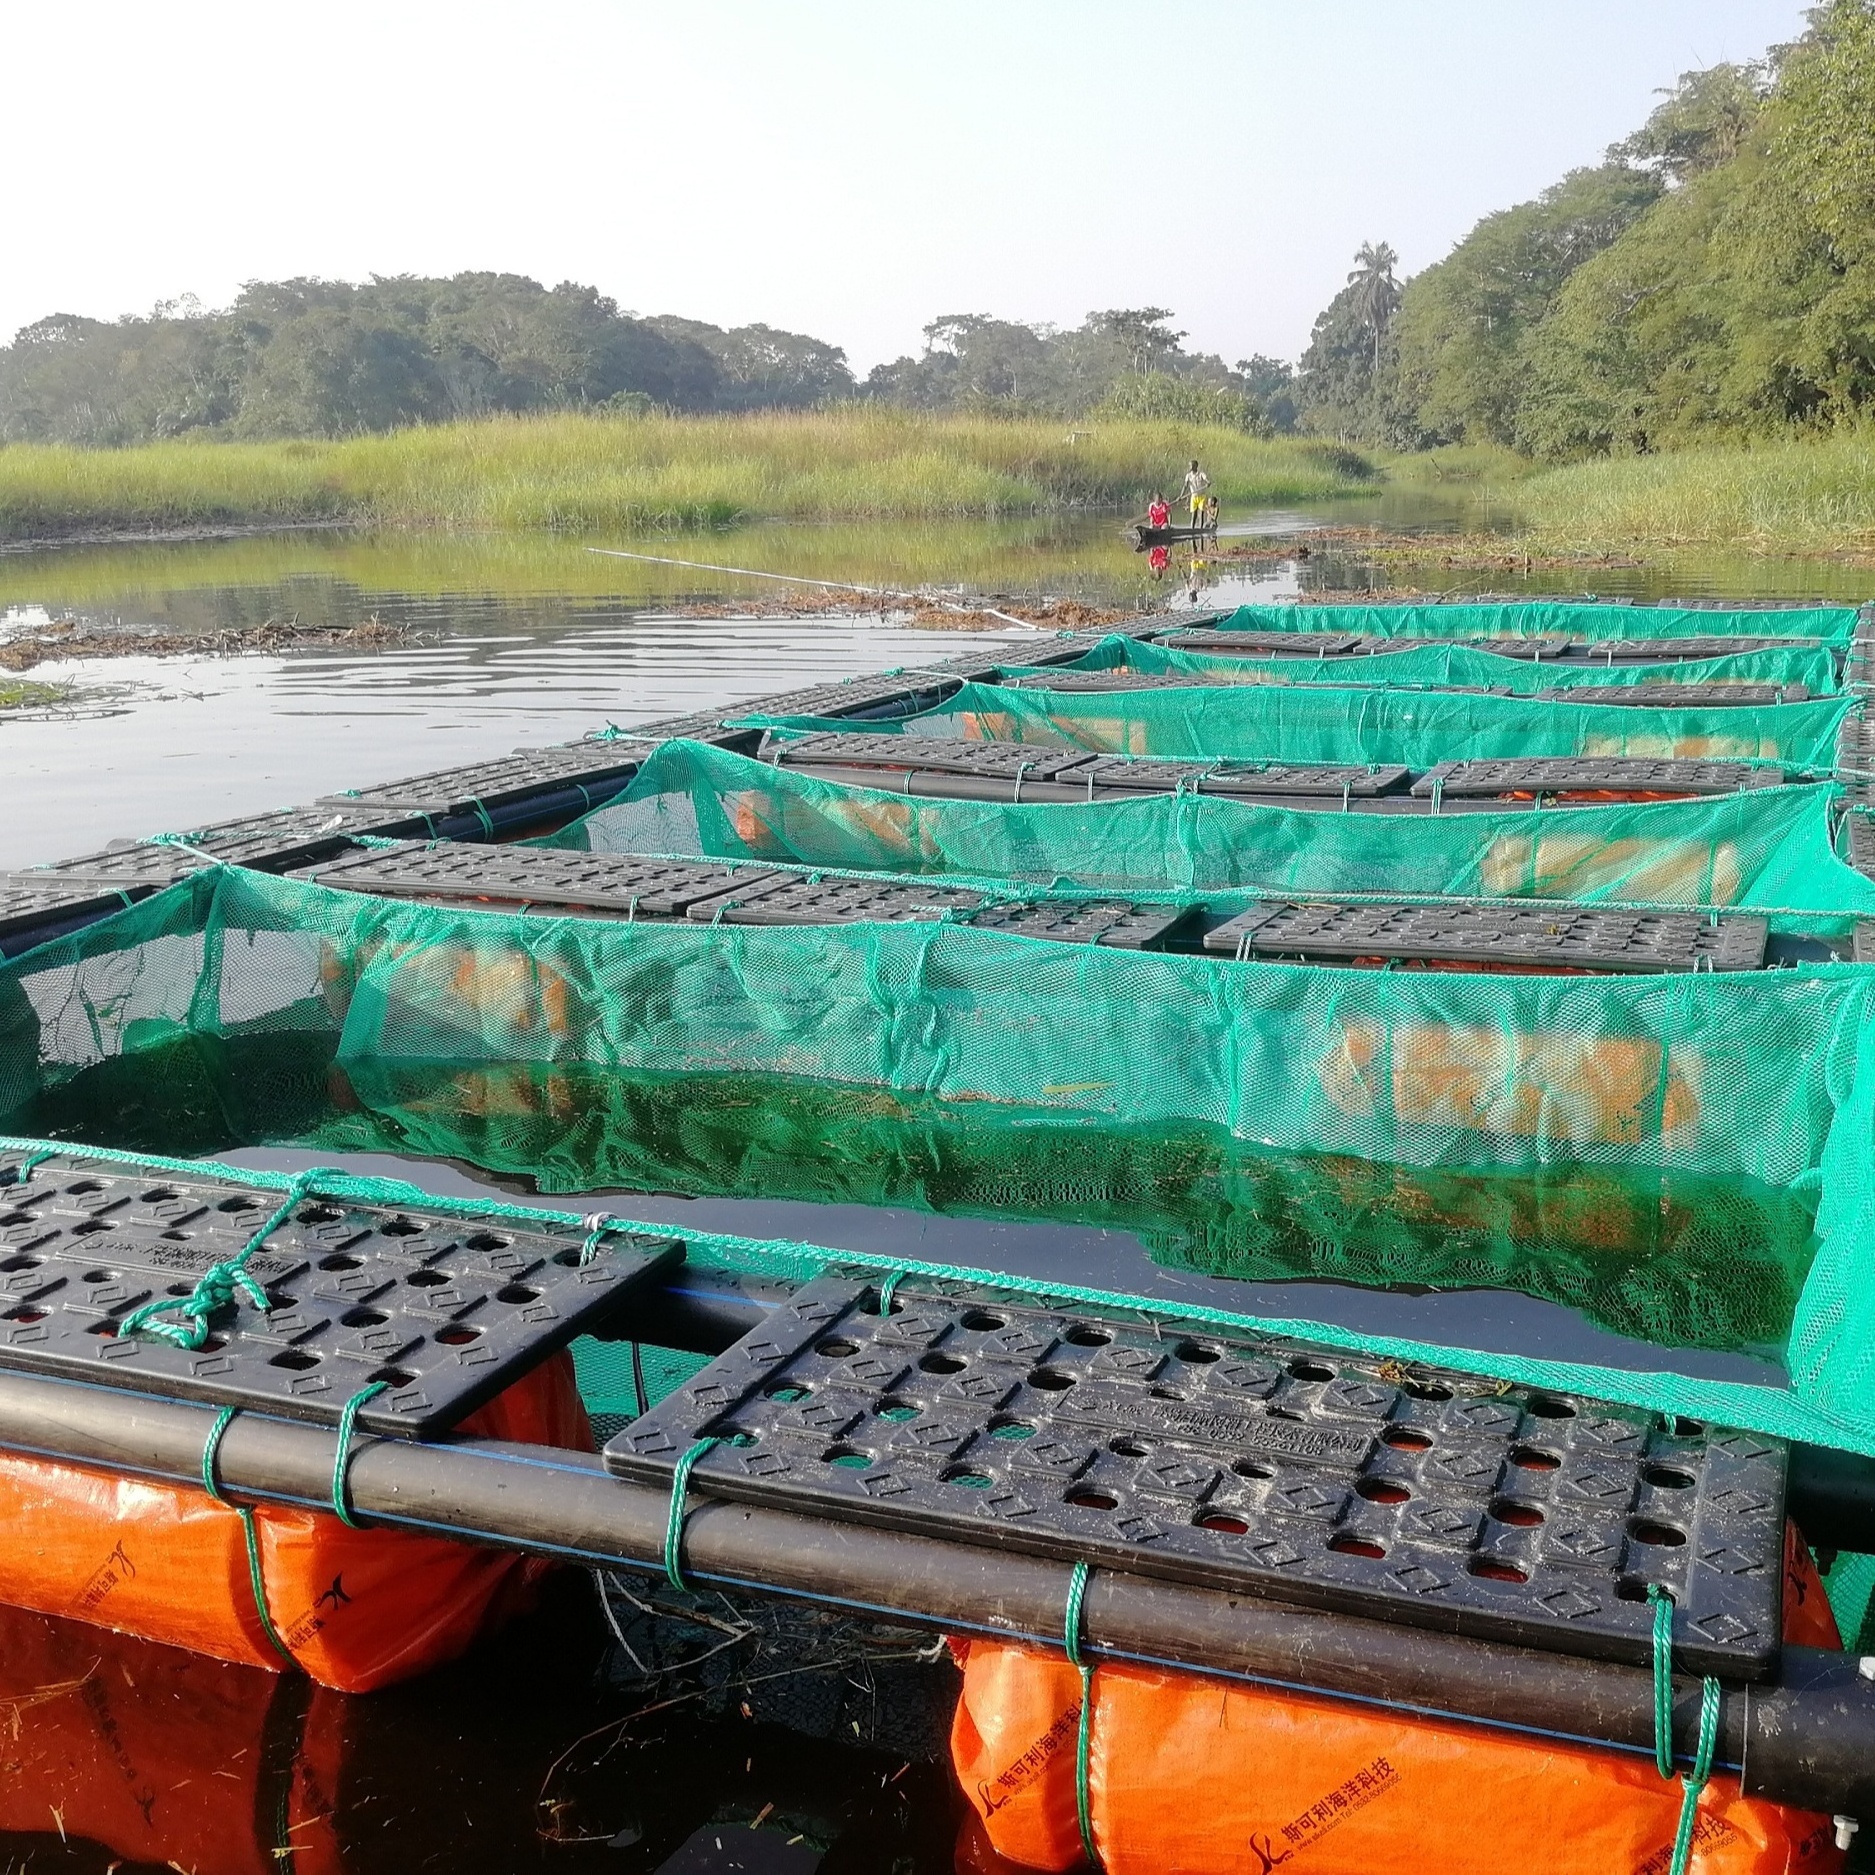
<point x="1714" y="277"/>
<point x="326" y="358"/>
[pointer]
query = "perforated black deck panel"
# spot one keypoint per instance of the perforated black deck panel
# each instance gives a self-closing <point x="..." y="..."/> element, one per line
<point x="1558" y="937"/>
<point x="1675" y="650"/>
<point x="651" y="888"/>
<point x="946" y="755"/>
<point x="447" y="1311"/>
<point x="592" y="765"/>
<point x="1542" y="648"/>
<point x="1593" y="774"/>
<point x="1103" y="921"/>
<point x="1143" y="775"/>
<point x="1678" y="696"/>
<point x="1242" y="1463"/>
<point x="1108" y="680"/>
<point x="28" y="903"/>
<point x="1264" y="644"/>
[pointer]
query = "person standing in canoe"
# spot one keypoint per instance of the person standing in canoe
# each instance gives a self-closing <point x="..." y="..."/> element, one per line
<point x="1197" y="487"/>
<point x="1158" y="512"/>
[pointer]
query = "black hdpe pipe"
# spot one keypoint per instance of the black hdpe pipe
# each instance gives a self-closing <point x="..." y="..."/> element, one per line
<point x="1805" y="1738"/>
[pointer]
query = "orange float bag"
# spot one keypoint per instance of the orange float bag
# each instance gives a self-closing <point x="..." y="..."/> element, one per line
<point x="164" y="1759"/>
<point x="356" y="1609"/>
<point x="1193" y="1776"/>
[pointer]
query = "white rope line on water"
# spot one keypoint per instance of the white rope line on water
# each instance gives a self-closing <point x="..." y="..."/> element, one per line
<point x="834" y="585"/>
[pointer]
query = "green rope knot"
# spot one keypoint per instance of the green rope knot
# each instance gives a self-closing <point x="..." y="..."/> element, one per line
<point x="674" y="1523"/>
<point x="31" y="1163"/>
<point x="1706" y="1747"/>
<point x="1084" y="1733"/>
<point x="220" y="1283"/>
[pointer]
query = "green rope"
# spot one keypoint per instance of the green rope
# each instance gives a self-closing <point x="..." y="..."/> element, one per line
<point x="256" y="1578"/>
<point x="218" y="1285"/>
<point x="1083" y="1739"/>
<point x="674" y="1523"/>
<point x="341" y="1461"/>
<point x="598" y="1225"/>
<point x="1703" y="1751"/>
<point x="888" y="1289"/>
<point x="32" y="1162"/>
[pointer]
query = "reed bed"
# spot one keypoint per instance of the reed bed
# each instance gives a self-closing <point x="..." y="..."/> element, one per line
<point x="1811" y="496"/>
<point x="583" y="473"/>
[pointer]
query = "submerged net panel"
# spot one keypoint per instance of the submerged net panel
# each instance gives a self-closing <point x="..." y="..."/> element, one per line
<point x="1768" y="1079"/>
<point x="1764" y="848"/>
<point x="1813" y="666"/>
<point x="1527" y="618"/>
<point x="1421" y="728"/>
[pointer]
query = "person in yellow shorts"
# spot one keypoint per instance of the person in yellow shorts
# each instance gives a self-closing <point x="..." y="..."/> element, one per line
<point x="1197" y="488"/>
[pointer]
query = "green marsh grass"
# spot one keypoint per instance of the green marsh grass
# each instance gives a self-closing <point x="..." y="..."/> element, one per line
<point x="1810" y="496"/>
<point x="579" y="473"/>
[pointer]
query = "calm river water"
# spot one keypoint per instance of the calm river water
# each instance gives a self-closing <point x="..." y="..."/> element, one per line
<point x="512" y="643"/>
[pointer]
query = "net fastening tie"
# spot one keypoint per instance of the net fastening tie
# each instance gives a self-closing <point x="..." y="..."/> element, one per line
<point x="341" y="1463"/>
<point x="888" y="1289"/>
<point x="183" y="843"/>
<point x="256" y="1578"/>
<point x="1083" y="1740"/>
<point x="482" y="814"/>
<point x="674" y="1523"/>
<point x="1703" y="1751"/>
<point x="219" y="1284"/>
<point x="31" y="1163"/>
<point x="599" y="1224"/>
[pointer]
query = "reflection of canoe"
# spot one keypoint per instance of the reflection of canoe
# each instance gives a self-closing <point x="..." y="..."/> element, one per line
<point x="1147" y="536"/>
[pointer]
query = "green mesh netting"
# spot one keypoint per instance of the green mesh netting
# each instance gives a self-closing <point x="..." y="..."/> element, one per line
<point x="1525" y="618"/>
<point x="1767" y="847"/>
<point x="1421" y="728"/>
<point x="1813" y="666"/>
<point x="1851" y="1587"/>
<point x="1768" y="1078"/>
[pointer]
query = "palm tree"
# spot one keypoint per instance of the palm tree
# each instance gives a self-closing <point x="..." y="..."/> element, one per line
<point x="1376" y="292"/>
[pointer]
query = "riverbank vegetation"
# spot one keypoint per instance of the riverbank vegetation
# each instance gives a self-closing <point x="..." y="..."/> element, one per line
<point x="581" y="472"/>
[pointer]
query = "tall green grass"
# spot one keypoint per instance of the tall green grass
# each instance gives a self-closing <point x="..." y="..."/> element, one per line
<point x="576" y="473"/>
<point x="1816" y="495"/>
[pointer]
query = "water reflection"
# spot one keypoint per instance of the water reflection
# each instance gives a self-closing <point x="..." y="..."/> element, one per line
<point x="1593" y="1263"/>
<point x="731" y="1736"/>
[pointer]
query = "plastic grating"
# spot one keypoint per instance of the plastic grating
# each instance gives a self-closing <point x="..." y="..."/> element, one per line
<point x="1100" y="921"/>
<point x="1264" y="644"/>
<point x="446" y="1311"/>
<point x="28" y="901"/>
<point x="651" y="888"/>
<point x="908" y="754"/>
<point x="1148" y="776"/>
<point x="1576" y="938"/>
<point x="1634" y="776"/>
<point x="1244" y="1464"/>
<point x="507" y="778"/>
<point x="1543" y="648"/>
<point x="1078" y="681"/>
<point x="1617" y="651"/>
<point x="1678" y="696"/>
<point x="1861" y="841"/>
<point x="856" y="693"/>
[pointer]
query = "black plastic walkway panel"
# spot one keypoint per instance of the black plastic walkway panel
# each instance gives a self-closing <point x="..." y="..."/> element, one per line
<point x="1619" y="776"/>
<point x="1247" y="1464"/>
<point x="1550" y="937"/>
<point x="444" y="1311"/>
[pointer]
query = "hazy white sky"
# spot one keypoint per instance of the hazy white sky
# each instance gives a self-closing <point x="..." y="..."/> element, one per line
<point x="850" y="170"/>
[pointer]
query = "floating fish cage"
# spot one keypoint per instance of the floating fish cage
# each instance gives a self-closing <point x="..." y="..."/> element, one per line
<point x="1406" y="952"/>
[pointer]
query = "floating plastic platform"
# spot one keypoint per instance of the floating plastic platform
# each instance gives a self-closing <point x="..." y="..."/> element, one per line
<point x="1558" y="938"/>
<point x="1603" y="776"/>
<point x="442" y="1311"/>
<point x="1262" y="1466"/>
<point x="1678" y="696"/>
